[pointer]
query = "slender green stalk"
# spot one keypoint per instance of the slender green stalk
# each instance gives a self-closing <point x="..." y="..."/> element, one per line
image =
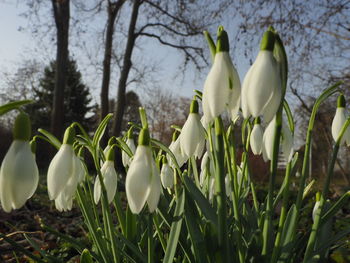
<point x="267" y="228"/>
<point x="277" y="247"/>
<point x="232" y="169"/>
<point x="90" y="222"/>
<point x="150" y="238"/>
<point x="220" y="189"/>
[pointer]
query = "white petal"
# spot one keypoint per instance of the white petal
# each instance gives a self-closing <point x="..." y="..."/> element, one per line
<point x="256" y="139"/>
<point x="211" y="189"/>
<point x="314" y="210"/>
<point x="337" y="124"/>
<point x="179" y="156"/>
<point x="19" y="176"/>
<point x="268" y="140"/>
<point x="155" y="188"/>
<point x="287" y="142"/>
<point x="244" y="98"/>
<point x="137" y="184"/>
<point x="167" y="176"/>
<point x="110" y="179"/>
<point x="192" y="135"/>
<point x="272" y="104"/>
<point x="216" y="92"/>
<point x="126" y="159"/>
<point x="60" y="170"/>
<point x="263" y="80"/>
<point x="97" y="190"/>
<point x="227" y="185"/>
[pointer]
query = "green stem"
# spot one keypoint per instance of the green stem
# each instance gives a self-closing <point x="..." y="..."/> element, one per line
<point x="267" y="229"/>
<point x="232" y="169"/>
<point x="220" y="189"/>
<point x="283" y="215"/>
<point x="150" y="238"/>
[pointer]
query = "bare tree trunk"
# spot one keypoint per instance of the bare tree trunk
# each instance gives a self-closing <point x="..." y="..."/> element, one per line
<point x="61" y="15"/>
<point x="120" y="103"/>
<point x="112" y="9"/>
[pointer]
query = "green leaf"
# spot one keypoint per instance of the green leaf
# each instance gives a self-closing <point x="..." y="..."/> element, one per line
<point x="175" y="230"/>
<point x="332" y="240"/>
<point x="203" y="203"/>
<point x="43" y="253"/>
<point x="51" y="138"/>
<point x="101" y="130"/>
<point x="21" y="249"/>
<point x="335" y="208"/>
<point x="196" y="236"/>
<point x="13" y="105"/>
<point x="211" y="44"/>
<point x="287" y="233"/>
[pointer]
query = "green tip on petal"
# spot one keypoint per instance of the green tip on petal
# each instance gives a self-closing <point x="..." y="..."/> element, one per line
<point x="222" y="43"/>
<point x="111" y="154"/>
<point x="69" y="135"/>
<point x="257" y="120"/>
<point x="130" y="134"/>
<point x="175" y="136"/>
<point x="194" y="106"/>
<point x="341" y="101"/>
<point x="144" y="137"/>
<point x="164" y="160"/>
<point x="268" y="41"/>
<point x="33" y="146"/>
<point x="22" y="128"/>
<point x="219" y="127"/>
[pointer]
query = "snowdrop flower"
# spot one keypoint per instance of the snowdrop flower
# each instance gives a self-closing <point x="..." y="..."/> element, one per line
<point x="110" y="178"/>
<point x="256" y="137"/>
<point x="19" y="174"/>
<point x="261" y="88"/>
<point x="167" y="174"/>
<point x="126" y="159"/>
<point x="314" y="210"/>
<point x="61" y="169"/>
<point x="287" y="141"/>
<point x="222" y="88"/>
<point x="142" y="180"/>
<point x="339" y="120"/>
<point x="175" y="148"/>
<point x="192" y="137"/>
<point x="228" y="186"/>
<point x="212" y="190"/>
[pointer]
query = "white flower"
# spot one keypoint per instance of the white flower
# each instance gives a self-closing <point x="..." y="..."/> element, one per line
<point x="228" y="185"/>
<point x="337" y="125"/>
<point x="222" y="88"/>
<point x="192" y="137"/>
<point x="110" y="179"/>
<point x="142" y="180"/>
<point x="19" y="176"/>
<point x="314" y="210"/>
<point x="126" y="159"/>
<point x="256" y="139"/>
<point x="287" y="141"/>
<point x="60" y="170"/>
<point x="175" y="148"/>
<point x="167" y="176"/>
<point x="211" y="188"/>
<point x="261" y="88"/>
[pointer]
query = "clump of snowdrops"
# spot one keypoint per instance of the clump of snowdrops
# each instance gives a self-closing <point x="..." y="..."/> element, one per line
<point x="178" y="211"/>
